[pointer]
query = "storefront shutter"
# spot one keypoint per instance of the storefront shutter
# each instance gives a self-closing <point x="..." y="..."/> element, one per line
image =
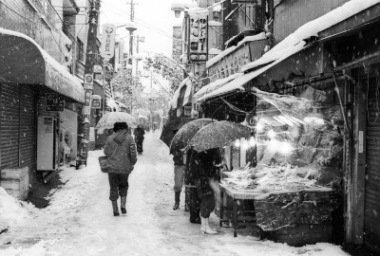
<point x="28" y="127"/>
<point x="9" y="126"/>
<point x="17" y="127"/>
<point x="372" y="186"/>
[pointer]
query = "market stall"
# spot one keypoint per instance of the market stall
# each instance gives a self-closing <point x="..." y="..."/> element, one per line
<point x="295" y="185"/>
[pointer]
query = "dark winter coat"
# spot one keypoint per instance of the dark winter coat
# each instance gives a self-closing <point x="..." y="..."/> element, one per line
<point x="120" y="150"/>
<point x="139" y="134"/>
<point x="202" y="168"/>
<point x="178" y="157"/>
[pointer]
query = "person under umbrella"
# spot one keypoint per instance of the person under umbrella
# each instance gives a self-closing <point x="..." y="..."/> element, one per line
<point x="205" y="167"/>
<point x="139" y="138"/>
<point x="179" y="169"/>
<point x="120" y="150"/>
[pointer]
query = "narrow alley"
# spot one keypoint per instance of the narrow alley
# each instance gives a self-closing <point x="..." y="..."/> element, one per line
<point x="79" y="219"/>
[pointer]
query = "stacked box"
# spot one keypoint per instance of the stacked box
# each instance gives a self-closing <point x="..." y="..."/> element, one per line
<point x="16" y="182"/>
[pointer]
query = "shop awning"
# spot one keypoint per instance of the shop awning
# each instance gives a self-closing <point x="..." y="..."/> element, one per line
<point x="23" y="61"/>
<point x="291" y="45"/>
<point x="238" y="83"/>
<point x="182" y="95"/>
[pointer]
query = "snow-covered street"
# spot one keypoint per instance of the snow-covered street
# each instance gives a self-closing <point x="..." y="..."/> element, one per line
<point x="79" y="219"/>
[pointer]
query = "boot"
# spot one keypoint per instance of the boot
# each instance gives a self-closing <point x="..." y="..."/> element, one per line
<point x="176" y="204"/>
<point x="205" y="227"/>
<point x="123" y="202"/>
<point x="115" y="208"/>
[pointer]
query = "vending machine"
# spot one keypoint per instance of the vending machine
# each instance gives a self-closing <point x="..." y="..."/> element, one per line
<point x="47" y="144"/>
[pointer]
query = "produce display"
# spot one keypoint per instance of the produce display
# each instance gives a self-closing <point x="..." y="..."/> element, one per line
<point x="299" y="144"/>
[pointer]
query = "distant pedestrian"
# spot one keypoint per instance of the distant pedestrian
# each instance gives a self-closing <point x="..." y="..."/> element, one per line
<point x="120" y="150"/>
<point x="139" y="138"/>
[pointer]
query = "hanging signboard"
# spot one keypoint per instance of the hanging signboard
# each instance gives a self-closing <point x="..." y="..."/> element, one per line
<point x="96" y="101"/>
<point x="51" y="102"/>
<point x="231" y="63"/>
<point x="198" y="48"/>
<point x="107" y="49"/>
<point x="88" y="81"/>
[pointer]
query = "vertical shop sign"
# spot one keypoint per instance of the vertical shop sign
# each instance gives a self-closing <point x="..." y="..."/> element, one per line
<point x="198" y="35"/>
<point x="108" y="41"/>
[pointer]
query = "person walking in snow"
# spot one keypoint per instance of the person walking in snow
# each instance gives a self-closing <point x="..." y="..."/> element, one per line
<point x="179" y="168"/>
<point x="190" y="180"/>
<point x="139" y="138"/>
<point x="206" y="167"/>
<point x="120" y="150"/>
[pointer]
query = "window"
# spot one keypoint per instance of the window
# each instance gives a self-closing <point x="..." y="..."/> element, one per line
<point x="80" y="50"/>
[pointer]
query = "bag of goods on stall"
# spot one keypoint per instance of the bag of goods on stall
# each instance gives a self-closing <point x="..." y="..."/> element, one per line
<point x="16" y="182"/>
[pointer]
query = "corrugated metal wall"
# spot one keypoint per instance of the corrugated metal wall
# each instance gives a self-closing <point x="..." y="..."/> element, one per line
<point x="372" y="186"/>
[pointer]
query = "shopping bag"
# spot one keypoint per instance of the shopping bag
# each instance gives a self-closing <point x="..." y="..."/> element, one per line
<point x="104" y="165"/>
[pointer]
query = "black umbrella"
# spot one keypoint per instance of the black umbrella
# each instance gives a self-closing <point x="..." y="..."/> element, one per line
<point x="187" y="131"/>
<point x="169" y="130"/>
<point x="218" y="134"/>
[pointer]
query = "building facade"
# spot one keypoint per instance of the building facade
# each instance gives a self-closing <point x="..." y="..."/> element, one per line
<point x="39" y="92"/>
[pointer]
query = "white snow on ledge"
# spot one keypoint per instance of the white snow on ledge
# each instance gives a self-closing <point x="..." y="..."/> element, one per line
<point x="215" y="85"/>
<point x="77" y="86"/>
<point x="260" y="36"/>
<point x="312" y="28"/>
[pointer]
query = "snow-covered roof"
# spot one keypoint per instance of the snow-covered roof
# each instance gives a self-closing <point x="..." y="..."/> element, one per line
<point x="312" y="28"/>
<point x="215" y="85"/>
<point x="75" y="91"/>
<point x="214" y="51"/>
<point x="260" y="36"/>
<point x="214" y="23"/>
<point x="241" y="80"/>
<point x="186" y="82"/>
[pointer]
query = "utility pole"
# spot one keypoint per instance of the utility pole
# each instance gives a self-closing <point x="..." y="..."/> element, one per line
<point x="131" y="29"/>
<point x="132" y="17"/>
<point x="91" y="57"/>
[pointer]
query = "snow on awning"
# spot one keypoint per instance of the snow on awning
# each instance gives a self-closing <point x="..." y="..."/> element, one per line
<point x="239" y="81"/>
<point x="183" y="93"/>
<point x="23" y="61"/>
<point x="311" y="29"/>
<point x="214" y="86"/>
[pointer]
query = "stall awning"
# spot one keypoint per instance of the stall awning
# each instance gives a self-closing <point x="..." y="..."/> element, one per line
<point x="23" y="61"/>
<point x="182" y="95"/>
<point x="239" y="82"/>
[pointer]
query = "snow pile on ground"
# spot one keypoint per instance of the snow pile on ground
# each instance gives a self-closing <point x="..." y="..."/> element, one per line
<point x="11" y="210"/>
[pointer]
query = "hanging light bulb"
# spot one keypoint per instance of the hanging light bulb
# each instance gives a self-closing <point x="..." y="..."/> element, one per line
<point x="252" y="141"/>
<point x="286" y="148"/>
<point x="259" y="127"/>
<point x="271" y="134"/>
<point x="237" y="143"/>
<point x="244" y="144"/>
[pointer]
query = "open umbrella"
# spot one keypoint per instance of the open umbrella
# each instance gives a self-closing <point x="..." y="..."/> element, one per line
<point x="170" y="129"/>
<point x="218" y="134"/>
<point x="109" y="119"/>
<point x="187" y="131"/>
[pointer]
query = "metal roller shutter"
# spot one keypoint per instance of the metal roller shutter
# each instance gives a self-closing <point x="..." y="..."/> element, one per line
<point x="372" y="186"/>
<point x="18" y="128"/>
<point x="28" y="127"/>
<point x="9" y="130"/>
